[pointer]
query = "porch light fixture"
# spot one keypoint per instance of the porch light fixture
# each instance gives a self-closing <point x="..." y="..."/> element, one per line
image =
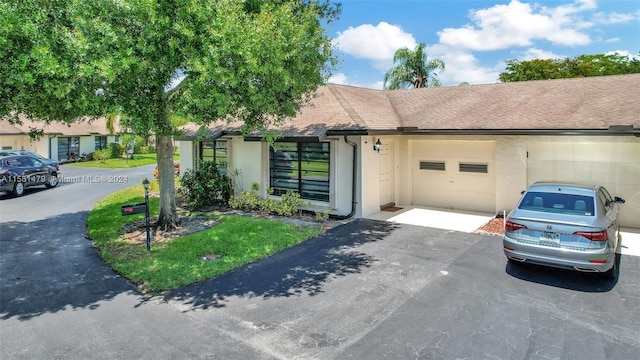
<point x="377" y="146"/>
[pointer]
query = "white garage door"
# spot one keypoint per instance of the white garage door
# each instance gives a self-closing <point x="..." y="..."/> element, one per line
<point x="614" y="165"/>
<point x="454" y="174"/>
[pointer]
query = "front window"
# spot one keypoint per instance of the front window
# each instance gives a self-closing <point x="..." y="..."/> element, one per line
<point x="101" y="142"/>
<point x="215" y="151"/>
<point x="68" y="148"/>
<point x="300" y="167"/>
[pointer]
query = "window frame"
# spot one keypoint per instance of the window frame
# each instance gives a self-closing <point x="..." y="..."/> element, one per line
<point x="100" y="142"/>
<point x="313" y="184"/>
<point x="221" y="161"/>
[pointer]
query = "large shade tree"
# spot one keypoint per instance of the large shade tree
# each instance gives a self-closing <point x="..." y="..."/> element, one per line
<point x="257" y="61"/>
<point x="580" y="66"/>
<point x="412" y="69"/>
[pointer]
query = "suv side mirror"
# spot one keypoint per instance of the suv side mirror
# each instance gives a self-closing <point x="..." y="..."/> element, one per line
<point x="618" y="200"/>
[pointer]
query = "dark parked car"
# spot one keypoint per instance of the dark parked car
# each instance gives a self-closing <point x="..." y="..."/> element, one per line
<point x="562" y="225"/>
<point x="18" y="172"/>
<point x="45" y="160"/>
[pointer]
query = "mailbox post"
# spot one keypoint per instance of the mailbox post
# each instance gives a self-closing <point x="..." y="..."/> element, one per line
<point x="145" y="183"/>
<point x="140" y="208"/>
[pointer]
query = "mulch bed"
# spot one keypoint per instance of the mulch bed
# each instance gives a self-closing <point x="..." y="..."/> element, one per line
<point x="495" y="226"/>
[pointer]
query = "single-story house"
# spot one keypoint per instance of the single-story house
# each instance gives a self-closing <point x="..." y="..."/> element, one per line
<point x="353" y="150"/>
<point x="59" y="141"/>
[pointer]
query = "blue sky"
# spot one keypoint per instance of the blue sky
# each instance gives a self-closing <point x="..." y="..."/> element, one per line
<point x="475" y="38"/>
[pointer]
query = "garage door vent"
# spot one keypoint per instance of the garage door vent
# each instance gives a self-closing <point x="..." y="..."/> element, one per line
<point x="432" y="165"/>
<point x="474" y="168"/>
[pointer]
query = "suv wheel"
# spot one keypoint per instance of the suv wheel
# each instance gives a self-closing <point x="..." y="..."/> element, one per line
<point x="18" y="189"/>
<point x="52" y="181"/>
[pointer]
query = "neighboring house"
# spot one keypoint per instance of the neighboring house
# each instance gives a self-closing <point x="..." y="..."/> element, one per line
<point x="469" y="148"/>
<point x="59" y="141"/>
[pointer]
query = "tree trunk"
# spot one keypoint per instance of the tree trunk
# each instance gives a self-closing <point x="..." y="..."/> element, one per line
<point x="168" y="218"/>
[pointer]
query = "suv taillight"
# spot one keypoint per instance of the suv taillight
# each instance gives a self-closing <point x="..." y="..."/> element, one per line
<point x="593" y="235"/>
<point x="510" y="226"/>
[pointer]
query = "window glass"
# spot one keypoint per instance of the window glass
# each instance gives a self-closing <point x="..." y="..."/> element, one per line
<point x="300" y="167"/>
<point x="558" y="203"/>
<point x="605" y="200"/>
<point x="100" y="142"/>
<point x="68" y="148"/>
<point x="215" y="151"/>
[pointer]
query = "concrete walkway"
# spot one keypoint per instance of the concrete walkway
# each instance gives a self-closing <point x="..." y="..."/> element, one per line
<point x="464" y="221"/>
<point x="469" y="222"/>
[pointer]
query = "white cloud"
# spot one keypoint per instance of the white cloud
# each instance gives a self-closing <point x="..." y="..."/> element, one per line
<point x="462" y="66"/>
<point x="624" y="53"/>
<point x="375" y="43"/>
<point x="535" y="53"/>
<point x="614" y="18"/>
<point x="612" y="40"/>
<point x="343" y="79"/>
<point x="519" y="24"/>
<point x="339" y="78"/>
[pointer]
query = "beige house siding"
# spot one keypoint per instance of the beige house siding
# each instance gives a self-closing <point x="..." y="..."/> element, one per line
<point x="249" y="163"/>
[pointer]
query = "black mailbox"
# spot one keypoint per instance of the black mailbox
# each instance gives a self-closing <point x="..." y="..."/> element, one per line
<point x="139" y="208"/>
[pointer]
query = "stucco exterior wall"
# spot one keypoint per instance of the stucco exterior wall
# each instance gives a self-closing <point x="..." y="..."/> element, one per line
<point x="511" y="172"/>
<point x="249" y="162"/>
<point x="186" y="157"/>
<point x="23" y="142"/>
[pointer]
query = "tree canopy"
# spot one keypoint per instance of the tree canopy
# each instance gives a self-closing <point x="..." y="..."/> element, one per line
<point x="580" y="66"/>
<point x="255" y="61"/>
<point x="412" y="69"/>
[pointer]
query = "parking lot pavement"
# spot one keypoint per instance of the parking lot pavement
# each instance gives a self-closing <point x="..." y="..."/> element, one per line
<point x="374" y="289"/>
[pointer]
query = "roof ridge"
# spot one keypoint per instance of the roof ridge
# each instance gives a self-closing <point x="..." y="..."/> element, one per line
<point x="353" y="114"/>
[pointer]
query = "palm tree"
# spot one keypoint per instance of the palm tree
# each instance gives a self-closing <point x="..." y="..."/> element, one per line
<point x="412" y="70"/>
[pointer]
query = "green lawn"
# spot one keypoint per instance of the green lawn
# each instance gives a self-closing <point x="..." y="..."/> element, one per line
<point x="138" y="160"/>
<point x="235" y="241"/>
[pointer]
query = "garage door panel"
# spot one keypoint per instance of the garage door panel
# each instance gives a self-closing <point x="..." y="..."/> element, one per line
<point x="614" y="165"/>
<point x="452" y="188"/>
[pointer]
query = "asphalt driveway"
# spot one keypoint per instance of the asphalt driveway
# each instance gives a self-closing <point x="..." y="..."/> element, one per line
<point x="367" y="289"/>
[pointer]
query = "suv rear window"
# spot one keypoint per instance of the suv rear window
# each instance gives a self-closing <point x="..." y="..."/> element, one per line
<point x="558" y="203"/>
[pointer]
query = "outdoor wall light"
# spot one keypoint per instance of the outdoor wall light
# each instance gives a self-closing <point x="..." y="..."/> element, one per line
<point x="377" y="146"/>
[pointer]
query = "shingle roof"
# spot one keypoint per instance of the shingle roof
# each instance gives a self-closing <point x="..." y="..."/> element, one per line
<point x="579" y="104"/>
<point x="81" y="127"/>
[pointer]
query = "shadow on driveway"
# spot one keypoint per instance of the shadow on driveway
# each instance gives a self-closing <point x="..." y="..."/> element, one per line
<point x="48" y="266"/>
<point x="303" y="268"/>
<point x="565" y="279"/>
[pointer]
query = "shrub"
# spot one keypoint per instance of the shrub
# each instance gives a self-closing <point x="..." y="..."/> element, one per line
<point x="250" y="200"/>
<point x="102" y="155"/>
<point x="115" y="150"/>
<point x="205" y="186"/>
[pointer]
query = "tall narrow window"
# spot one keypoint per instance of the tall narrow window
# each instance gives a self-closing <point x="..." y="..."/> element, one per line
<point x="300" y="167"/>
<point x="101" y="142"/>
<point x="215" y="151"/>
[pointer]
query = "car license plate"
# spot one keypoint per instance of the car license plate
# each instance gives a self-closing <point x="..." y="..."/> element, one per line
<point x="550" y="237"/>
